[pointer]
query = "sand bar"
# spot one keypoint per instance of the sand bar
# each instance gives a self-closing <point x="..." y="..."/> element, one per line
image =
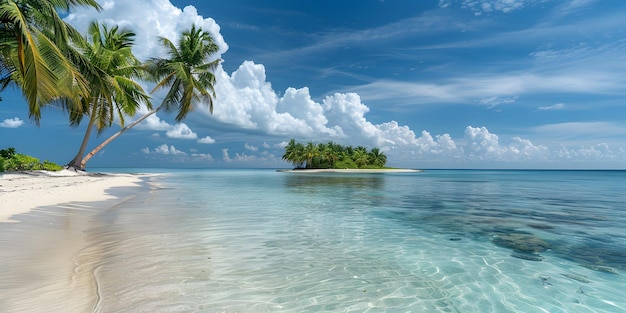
<point x="22" y="192"/>
<point x="357" y="171"/>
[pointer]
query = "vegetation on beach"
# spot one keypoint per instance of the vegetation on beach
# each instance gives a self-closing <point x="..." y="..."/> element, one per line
<point x="10" y="160"/>
<point x="332" y="155"/>
<point x="97" y="77"/>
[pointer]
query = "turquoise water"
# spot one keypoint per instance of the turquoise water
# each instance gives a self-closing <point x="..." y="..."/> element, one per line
<point x="436" y="241"/>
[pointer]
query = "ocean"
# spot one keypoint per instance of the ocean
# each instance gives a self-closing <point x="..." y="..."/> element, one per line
<point x="434" y="241"/>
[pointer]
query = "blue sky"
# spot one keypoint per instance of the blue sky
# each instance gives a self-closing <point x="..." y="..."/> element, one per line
<point x="433" y="83"/>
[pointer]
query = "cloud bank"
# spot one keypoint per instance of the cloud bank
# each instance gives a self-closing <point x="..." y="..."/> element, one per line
<point x="246" y="100"/>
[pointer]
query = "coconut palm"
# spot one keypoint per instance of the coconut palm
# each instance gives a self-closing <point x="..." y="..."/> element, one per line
<point x="188" y="73"/>
<point x="360" y="157"/>
<point x="309" y="153"/>
<point x="329" y="154"/>
<point x="377" y="158"/>
<point x="111" y="69"/>
<point x="293" y="153"/>
<point x="33" y="39"/>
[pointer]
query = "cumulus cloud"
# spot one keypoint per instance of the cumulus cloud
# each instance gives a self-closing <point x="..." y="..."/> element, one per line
<point x="483" y="145"/>
<point x="164" y="149"/>
<point x="206" y="140"/>
<point x="153" y="122"/>
<point x="225" y="155"/>
<point x="158" y="18"/>
<point x="11" y="123"/>
<point x="251" y="147"/>
<point x="181" y="131"/>
<point x="246" y="100"/>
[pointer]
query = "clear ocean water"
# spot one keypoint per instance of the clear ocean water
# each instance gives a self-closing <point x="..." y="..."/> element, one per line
<point x="435" y="241"/>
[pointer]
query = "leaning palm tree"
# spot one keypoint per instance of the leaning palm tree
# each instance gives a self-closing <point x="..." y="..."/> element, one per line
<point x="33" y="39"/>
<point x="111" y="69"/>
<point x="188" y="72"/>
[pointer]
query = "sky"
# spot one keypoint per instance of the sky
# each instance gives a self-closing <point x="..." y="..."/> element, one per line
<point x="504" y="84"/>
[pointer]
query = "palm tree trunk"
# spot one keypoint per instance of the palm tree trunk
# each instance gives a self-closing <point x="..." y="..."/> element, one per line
<point x="75" y="163"/>
<point x="108" y="140"/>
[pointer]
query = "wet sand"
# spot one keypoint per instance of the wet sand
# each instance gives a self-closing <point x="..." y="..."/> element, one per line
<point x="44" y="217"/>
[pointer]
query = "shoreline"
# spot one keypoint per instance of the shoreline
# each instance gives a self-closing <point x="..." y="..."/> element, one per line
<point x="22" y="192"/>
<point x="355" y="171"/>
<point x="45" y="248"/>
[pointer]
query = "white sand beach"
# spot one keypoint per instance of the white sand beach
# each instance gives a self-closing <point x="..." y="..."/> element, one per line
<point x="357" y="171"/>
<point x="22" y="192"/>
<point x="44" y="221"/>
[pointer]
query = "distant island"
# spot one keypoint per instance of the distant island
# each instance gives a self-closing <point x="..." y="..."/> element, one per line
<point x="333" y="157"/>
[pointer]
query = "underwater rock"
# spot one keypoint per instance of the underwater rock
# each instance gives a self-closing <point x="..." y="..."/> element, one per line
<point x="581" y="279"/>
<point x="540" y="226"/>
<point x="521" y="242"/>
<point x="600" y="268"/>
<point x="527" y="256"/>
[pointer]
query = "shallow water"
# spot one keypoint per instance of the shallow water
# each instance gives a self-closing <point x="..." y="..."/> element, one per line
<point x="437" y="241"/>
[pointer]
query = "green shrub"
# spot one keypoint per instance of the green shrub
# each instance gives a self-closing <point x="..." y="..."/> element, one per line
<point x="345" y="163"/>
<point x="371" y="167"/>
<point x="12" y="161"/>
<point x="22" y="162"/>
<point x="50" y="166"/>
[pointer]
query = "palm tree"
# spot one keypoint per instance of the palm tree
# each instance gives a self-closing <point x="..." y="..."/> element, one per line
<point x="110" y="68"/>
<point x="360" y="156"/>
<point x="33" y="40"/>
<point x="329" y="154"/>
<point x="188" y="72"/>
<point x="377" y="158"/>
<point x="293" y="153"/>
<point x="310" y="152"/>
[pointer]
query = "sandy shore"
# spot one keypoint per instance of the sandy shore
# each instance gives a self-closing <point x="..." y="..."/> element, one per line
<point x="48" y="264"/>
<point x="359" y="171"/>
<point x="22" y="192"/>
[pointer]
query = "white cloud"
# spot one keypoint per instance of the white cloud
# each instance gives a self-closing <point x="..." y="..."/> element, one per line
<point x="558" y="106"/>
<point x="202" y="156"/>
<point x="246" y="100"/>
<point x="11" y="123"/>
<point x="168" y="150"/>
<point x="152" y="122"/>
<point x="181" y="131"/>
<point x="149" y="19"/>
<point x="486" y="6"/>
<point x="483" y="145"/>
<point x="250" y="147"/>
<point x="492" y="102"/>
<point x="225" y="156"/>
<point x="206" y="140"/>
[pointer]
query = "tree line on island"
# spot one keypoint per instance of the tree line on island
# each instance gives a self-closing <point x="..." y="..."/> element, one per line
<point x="96" y="77"/>
<point x="332" y="155"/>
